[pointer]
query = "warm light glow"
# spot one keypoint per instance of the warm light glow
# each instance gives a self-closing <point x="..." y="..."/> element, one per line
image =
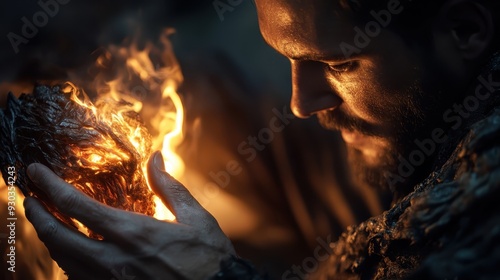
<point x="166" y="124"/>
<point x="95" y="158"/>
<point x="162" y="212"/>
<point x="174" y="164"/>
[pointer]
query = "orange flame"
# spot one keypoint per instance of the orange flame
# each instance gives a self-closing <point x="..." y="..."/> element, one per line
<point x="156" y="83"/>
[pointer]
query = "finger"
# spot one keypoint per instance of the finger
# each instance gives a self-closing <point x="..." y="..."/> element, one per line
<point x="58" y="237"/>
<point x="173" y="194"/>
<point x="107" y="221"/>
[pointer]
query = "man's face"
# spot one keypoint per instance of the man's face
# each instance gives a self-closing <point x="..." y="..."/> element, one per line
<point x="381" y="100"/>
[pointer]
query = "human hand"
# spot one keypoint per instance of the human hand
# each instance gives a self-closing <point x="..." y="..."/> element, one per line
<point x="135" y="246"/>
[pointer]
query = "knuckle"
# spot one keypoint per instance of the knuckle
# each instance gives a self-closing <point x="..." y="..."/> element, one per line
<point x="141" y="240"/>
<point x="132" y="232"/>
<point x="67" y="200"/>
<point x="99" y="253"/>
<point x="48" y="230"/>
<point x="135" y="230"/>
<point x="181" y="194"/>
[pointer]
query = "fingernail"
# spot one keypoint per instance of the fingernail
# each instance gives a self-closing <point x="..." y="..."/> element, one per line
<point x="31" y="172"/>
<point x="158" y="161"/>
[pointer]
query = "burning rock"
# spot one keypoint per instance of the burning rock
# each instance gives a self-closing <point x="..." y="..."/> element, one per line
<point x="100" y="149"/>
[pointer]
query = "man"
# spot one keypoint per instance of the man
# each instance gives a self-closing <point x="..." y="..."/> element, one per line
<point x="413" y="89"/>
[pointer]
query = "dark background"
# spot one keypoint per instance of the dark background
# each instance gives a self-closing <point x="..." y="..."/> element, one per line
<point x="81" y="27"/>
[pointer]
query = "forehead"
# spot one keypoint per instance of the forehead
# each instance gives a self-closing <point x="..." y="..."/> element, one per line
<point x="294" y="26"/>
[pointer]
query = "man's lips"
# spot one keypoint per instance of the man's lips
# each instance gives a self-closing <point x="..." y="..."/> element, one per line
<point x="356" y="132"/>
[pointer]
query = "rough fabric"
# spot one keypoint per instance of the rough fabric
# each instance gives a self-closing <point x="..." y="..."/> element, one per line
<point x="447" y="228"/>
<point x="81" y="147"/>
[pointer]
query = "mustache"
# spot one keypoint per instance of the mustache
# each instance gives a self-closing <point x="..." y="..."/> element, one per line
<point x="337" y="120"/>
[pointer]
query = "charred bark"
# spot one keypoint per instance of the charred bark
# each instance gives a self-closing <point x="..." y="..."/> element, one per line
<point x="51" y="128"/>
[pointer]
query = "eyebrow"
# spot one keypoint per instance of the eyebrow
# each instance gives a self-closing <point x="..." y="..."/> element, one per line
<point x="285" y="48"/>
<point x="293" y="54"/>
<point x="320" y="57"/>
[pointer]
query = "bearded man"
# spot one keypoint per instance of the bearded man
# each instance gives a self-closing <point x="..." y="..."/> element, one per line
<point x="413" y="88"/>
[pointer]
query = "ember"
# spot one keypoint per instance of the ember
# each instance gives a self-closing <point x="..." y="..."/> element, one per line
<point x="102" y="147"/>
<point x="101" y="152"/>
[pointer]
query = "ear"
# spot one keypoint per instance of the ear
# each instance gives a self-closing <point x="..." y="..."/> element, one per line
<point x="471" y="25"/>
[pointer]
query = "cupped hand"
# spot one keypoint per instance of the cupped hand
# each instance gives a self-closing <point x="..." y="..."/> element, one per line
<point x="134" y="246"/>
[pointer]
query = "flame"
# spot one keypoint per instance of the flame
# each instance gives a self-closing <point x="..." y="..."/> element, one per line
<point x="139" y="78"/>
<point x="174" y="165"/>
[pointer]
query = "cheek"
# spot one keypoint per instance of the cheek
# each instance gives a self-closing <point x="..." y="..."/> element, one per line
<point x="364" y="96"/>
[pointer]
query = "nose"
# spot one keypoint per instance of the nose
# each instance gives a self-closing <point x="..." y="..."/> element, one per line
<point x="311" y="91"/>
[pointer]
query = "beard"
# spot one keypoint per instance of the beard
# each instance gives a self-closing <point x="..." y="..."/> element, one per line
<point x="413" y="115"/>
<point x="375" y="177"/>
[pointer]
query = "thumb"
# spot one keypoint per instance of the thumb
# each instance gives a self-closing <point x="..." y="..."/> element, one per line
<point x="172" y="193"/>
